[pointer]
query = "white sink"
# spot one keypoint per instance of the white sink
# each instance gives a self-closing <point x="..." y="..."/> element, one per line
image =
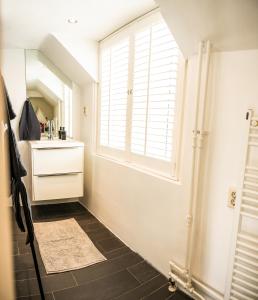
<point x="45" y="143"/>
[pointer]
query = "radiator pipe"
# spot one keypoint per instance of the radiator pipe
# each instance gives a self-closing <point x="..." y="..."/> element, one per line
<point x="198" y="137"/>
<point x="186" y="286"/>
<point x="197" y="164"/>
<point x="191" y="220"/>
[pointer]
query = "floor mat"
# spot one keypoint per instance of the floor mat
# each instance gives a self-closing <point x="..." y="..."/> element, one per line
<point x="64" y="246"/>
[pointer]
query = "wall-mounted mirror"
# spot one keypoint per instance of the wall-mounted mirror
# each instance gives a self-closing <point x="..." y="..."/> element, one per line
<point x="50" y="93"/>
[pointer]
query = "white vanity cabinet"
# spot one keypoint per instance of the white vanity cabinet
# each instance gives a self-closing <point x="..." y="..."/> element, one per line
<point x="56" y="169"/>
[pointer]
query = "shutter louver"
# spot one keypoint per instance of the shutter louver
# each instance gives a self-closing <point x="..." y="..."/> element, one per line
<point x="156" y="58"/>
<point x="114" y="87"/>
<point x="138" y="112"/>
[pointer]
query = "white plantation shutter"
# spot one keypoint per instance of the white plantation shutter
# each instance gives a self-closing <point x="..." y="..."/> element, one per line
<point x="137" y="108"/>
<point x="113" y="107"/>
<point x="154" y="90"/>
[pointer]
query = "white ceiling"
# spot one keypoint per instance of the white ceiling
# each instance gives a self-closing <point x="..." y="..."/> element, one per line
<point x="26" y="23"/>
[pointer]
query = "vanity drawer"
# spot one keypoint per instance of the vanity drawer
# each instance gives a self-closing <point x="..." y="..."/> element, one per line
<point x="57" y="186"/>
<point x="57" y="160"/>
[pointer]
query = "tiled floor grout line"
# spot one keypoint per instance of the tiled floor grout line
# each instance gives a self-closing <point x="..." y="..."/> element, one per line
<point x="110" y="252"/>
<point x="153" y="292"/>
<point x="102" y="239"/>
<point x="97" y="242"/>
<point x="111" y="260"/>
<point x="70" y="287"/>
<point x="90" y="281"/>
<point x="143" y="283"/>
<point x="113" y="273"/>
<point x="137" y="263"/>
<point x="125" y="254"/>
<point x="76" y="283"/>
<point x="171" y="296"/>
<point x="133" y="276"/>
<point x="128" y="269"/>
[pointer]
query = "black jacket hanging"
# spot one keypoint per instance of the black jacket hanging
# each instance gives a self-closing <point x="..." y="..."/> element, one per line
<point x="18" y="189"/>
<point x="16" y="168"/>
<point x="29" y="127"/>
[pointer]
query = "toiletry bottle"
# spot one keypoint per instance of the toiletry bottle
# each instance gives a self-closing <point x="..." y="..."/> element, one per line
<point x="60" y="132"/>
<point x="63" y="134"/>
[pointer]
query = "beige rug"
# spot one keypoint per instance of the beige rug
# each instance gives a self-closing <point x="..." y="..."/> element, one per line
<point x="64" y="246"/>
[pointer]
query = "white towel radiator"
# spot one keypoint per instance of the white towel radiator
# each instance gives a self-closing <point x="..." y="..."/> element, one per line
<point x="244" y="279"/>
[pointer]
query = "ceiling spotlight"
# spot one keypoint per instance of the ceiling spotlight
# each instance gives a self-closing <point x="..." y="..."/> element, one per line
<point x="72" y="20"/>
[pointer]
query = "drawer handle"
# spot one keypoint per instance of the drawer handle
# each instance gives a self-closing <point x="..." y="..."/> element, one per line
<point x="50" y="148"/>
<point x="58" y="174"/>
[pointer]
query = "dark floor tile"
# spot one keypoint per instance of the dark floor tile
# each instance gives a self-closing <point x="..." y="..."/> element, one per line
<point x="37" y="297"/>
<point x="15" y="248"/>
<point x="23" y="262"/>
<point x="143" y="271"/>
<point x="56" y="210"/>
<point x="17" y="236"/>
<point x="50" y="283"/>
<point x="101" y="234"/>
<point x="118" y="252"/>
<point x="16" y="229"/>
<point x="95" y="272"/>
<point x="93" y="226"/>
<point x="110" y="244"/>
<point x="85" y="219"/>
<point x="105" y="268"/>
<point x="102" y="289"/>
<point x="144" y="290"/>
<point x="160" y="294"/>
<point x="97" y="245"/>
<point x="127" y="260"/>
<point x="23" y="248"/>
<point x="179" y="295"/>
<point x="25" y="274"/>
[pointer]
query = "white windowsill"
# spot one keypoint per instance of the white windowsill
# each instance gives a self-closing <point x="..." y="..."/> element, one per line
<point x="171" y="179"/>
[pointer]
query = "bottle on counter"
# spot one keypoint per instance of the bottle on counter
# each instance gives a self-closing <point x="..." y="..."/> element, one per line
<point x="62" y="133"/>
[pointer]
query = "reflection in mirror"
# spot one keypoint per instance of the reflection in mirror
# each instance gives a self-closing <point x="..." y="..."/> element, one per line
<point x="50" y="93"/>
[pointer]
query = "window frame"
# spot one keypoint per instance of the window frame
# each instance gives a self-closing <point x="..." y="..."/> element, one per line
<point x="169" y="169"/>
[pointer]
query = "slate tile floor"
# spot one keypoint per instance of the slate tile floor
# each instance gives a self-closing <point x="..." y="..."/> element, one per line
<point x="123" y="276"/>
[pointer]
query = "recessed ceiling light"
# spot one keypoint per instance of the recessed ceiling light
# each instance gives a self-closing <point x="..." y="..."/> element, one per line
<point x="72" y="20"/>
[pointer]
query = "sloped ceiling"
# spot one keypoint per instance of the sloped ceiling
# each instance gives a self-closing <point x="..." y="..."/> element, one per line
<point x="37" y="87"/>
<point x="229" y="24"/>
<point x="76" y="69"/>
<point x="43" y="25"/>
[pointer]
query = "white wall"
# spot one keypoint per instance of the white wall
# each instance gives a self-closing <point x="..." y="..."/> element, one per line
<point x="146" y="211"/>
<point x="13" y="70"/>
<point x="233" y="90"/>
<point x="149" y="213"/>
<point x="76" y="113"/>
<point x="87" y="106"/>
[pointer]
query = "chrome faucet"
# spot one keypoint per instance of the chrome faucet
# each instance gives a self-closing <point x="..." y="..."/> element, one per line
<point x="51" y="130"/>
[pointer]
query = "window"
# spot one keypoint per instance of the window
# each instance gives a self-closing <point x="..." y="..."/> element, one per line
<point x="114" y="80"/>
<point x="138" y="96"/>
